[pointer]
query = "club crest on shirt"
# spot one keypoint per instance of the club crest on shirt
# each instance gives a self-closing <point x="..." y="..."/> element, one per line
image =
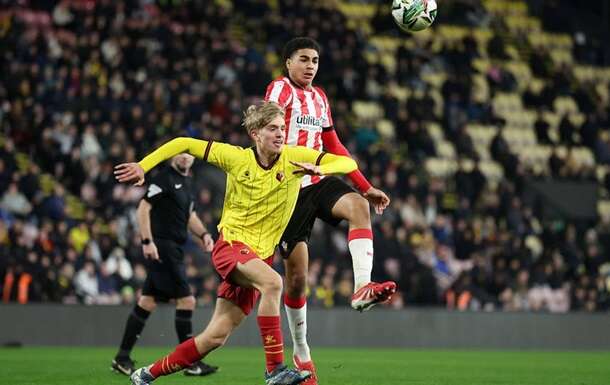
<point x="279" y="176"/>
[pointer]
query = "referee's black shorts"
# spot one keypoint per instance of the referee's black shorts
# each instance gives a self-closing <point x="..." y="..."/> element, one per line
<point x="315" y="201"/>
<point x="166" y="279"/>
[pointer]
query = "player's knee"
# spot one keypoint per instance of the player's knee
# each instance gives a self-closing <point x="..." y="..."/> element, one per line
<point x="362" y="205"/>
<point x="359" y="209"/>
<point x="187" y="303"/>
<point x="296" y="284"/>
<point x="147" y="303"/>
<point x="273" y="285"/>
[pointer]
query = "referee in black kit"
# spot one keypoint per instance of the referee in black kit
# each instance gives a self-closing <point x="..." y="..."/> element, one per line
<point x="164" y="214"/>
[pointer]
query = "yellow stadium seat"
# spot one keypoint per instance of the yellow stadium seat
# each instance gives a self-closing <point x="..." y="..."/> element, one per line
<point x="491" y="170"/>
<point x="603" y="208"/>
<point x="564" y="104"/>
<point x="600" y="172"/>
<point x="435" y="131"/>
<point x="445" y="149"/>
<point x="385" y="128"/>
<point x="440" y="167"/>
<point x="367" y="110"/>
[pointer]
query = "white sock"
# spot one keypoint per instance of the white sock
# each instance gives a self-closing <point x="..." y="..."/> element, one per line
<point x="360" y="243"/>
<point x="297" y="321"/>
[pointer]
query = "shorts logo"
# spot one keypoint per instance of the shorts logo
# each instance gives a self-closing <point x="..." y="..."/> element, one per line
<point x="279" y="176"/>
<point x="244" y="251"/>
<point x="284" y="245"/>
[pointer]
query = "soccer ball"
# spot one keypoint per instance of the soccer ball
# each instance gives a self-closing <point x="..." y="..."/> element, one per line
<point x="413" y="15"/>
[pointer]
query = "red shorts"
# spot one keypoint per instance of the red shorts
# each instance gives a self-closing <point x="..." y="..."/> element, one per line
<point x="225" y="257"/>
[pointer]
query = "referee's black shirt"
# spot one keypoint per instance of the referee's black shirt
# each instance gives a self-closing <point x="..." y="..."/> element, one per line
<point x="171" y="197"/>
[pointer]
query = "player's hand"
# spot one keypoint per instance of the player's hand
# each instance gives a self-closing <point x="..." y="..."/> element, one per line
<point x="150" y="251"/>
<point x="378" y="199"/>
<point x="208" y="242"/>
<point x="129" y="172"/>
<point x="306" y="168"/>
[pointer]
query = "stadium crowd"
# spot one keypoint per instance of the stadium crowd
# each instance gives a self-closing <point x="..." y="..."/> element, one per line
<point x="85" y="85"/>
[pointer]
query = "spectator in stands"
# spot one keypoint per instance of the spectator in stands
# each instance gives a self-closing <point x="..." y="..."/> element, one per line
<point x="14" y="201"/>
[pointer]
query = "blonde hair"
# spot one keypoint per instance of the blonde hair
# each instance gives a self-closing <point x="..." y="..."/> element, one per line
<point x="259" y="115"/>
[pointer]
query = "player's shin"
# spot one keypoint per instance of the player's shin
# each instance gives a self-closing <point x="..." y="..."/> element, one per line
<point x="184" y="356"/>
<point x="273" y="343"/>
<point x="183" y="324"/>
<point x="296" y="311"/>
<point x="360" y="243"/>
<point x="134" y="326"/>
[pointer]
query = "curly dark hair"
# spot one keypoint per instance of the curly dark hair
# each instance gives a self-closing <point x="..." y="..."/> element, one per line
<point x="299" y="43"/>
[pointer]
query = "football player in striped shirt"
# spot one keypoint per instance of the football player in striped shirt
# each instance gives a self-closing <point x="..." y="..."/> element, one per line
<point x="263" y="184"/>
<point x="309" y="123"/>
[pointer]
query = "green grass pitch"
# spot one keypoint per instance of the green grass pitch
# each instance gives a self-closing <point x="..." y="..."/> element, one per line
<point x="90" y="366"/>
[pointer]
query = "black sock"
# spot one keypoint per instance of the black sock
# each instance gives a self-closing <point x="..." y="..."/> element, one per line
<point x="184" y="326"/>
<point x="133" y="328"/>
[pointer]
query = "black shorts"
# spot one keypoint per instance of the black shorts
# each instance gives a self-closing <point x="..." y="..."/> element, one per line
<point x="166" y="279"/>
<point x="315" y="201"/>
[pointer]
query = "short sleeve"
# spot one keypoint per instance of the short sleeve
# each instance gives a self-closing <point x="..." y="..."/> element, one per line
<point x="280" y="92"/>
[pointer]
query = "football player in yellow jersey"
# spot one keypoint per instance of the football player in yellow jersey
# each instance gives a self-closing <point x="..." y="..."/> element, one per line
<point x="262" y="187"/>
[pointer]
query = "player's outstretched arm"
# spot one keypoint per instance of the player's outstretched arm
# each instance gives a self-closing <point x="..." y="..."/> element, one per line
<point x="378" y="199"/>
<point x="325" y="163"/>
<point x="134" y="172"/>
<point x="332" y="144"/>
<point x="336" y="164"/>
<point x="195" y="147"/>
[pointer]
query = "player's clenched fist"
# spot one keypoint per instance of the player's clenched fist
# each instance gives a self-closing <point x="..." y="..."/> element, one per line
<point x="150" y="251"/>
<point x="129" y="172"/>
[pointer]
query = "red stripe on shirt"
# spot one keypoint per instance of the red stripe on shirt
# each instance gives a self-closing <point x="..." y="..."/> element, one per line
<point x="303" y="136"/>
<point x="301" y="96"/>
<point x="283" y="97"/>
<point x="317" y="143"/>
<point x="317" y="104"/>
<point x="327" y="105"/>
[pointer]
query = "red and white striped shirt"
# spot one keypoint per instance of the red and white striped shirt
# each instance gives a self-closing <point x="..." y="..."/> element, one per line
<point x="309" y="123"/>
<point x="307" y="114"/>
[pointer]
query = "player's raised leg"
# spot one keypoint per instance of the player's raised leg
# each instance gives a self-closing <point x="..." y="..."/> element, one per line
<point x="355" y="209"/>
<point x="295" y="303"/>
